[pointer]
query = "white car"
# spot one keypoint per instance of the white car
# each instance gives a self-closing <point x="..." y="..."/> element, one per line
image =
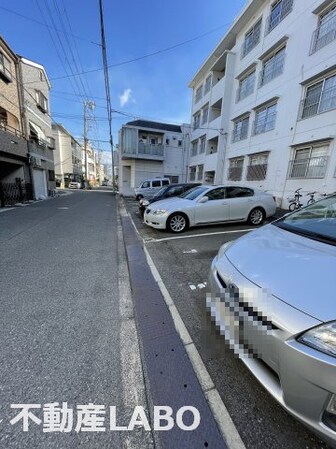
<point x="211" y="205"/>
<point x="74" y="185"/>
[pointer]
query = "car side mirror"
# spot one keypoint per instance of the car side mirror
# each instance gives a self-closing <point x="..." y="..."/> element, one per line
<point x="204" y="199"/>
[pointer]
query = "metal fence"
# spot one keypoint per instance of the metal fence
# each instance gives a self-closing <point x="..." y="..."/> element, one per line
<point x="15" y="192"/>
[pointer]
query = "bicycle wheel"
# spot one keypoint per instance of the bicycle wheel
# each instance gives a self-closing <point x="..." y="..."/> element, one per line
<point x="311" y="201"/>
<point x="292" y="207"/>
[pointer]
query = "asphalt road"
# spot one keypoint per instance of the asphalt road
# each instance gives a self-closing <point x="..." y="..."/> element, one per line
<point x="65" y="335"/>
<point x="183" y="264"/>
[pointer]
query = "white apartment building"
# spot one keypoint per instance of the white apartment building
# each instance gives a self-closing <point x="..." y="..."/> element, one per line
<point x="151" y="149"/>
<point x="264" y="102"/>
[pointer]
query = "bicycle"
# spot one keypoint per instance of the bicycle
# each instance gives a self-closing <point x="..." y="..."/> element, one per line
<point x="312" y="199"/>
<point x="294" y="203"/>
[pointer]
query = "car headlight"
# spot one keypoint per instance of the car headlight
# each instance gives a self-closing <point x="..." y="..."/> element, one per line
<point x="322" y="338"/>
<point x="159" y="211"/>
<point x="145" y="203"/>
<point x="224" y="248"/>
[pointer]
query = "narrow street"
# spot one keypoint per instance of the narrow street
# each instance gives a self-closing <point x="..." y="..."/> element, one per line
<point x="62" y="324"/>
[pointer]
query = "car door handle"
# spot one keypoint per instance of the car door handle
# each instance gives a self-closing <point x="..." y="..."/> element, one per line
<point x="224" y="204"/>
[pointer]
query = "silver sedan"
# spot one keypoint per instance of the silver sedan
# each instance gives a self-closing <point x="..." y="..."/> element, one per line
<point x="273" y="299"/>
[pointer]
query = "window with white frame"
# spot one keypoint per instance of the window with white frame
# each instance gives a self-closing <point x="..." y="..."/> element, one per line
<point x="279" y="10"/>
<point x="309" y="162"/>
<point x="194" y="148"/>
<point x="265" y="119"/>
<point x="240" y="128"/>
<point x="257" y="168"/>
<point x="197" y="119"/>
<point x="200" y="172"/>
<point x="5" y="68"/>
<point x="326" y="30"/>
<point x="192" y="173"/>
<point x="202" y="145"/>
<point x="207" y="84"/>
<point x="246" y="85"/>
<point x="273" y="66"/>
<point x="205" y="115"/>
<point x="41" y="101"/>
<point x="252" y="38"/>
<point x="320" y="97"/>
<point x="236" y="169"/>
<point x="198" y="94"/>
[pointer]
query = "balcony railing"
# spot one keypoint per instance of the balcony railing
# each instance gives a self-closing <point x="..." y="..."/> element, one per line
<point x="256" y="172"/>
<point x="150" y="149"/>
<point x="10" y="129"/>
<point x="317" y="103"/>
<point x="323" y="35"/>
<point x="39" y="142"/>
<point x="313" y="167"/>
<point x="263" y="126"/>
<point x="272" y="70"/>
<point x="278" y="14"/>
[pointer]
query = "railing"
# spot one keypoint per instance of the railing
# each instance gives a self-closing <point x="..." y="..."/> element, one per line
<point x="10" y="129"/>
<point x="150" y="149"/>
<point x="249" y="44"/>
<point x="278" y="14"/>
<point x="272" y="71"/>
<point x="313" y="167"/>
<point x="264" y="126"/>
<point x="39" y="142"/>
<point x="240" y="133"/>
<point x="235" y="173"/>
<point x="15" y="192"/>
<point x="322" y="101"/>
<point x="323" y="35"/>
<point x="256" y="172"/>
<point x="244" y="90"/>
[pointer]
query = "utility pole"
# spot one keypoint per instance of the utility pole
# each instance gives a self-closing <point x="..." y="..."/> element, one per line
<point x="107" y="85"/>
<point x="90" y="105"/>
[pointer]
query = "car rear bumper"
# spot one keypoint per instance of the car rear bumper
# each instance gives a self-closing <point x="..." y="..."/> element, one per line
<point x="261" y="330"/>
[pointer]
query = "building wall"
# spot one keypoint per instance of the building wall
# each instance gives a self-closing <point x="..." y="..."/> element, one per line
<point x="287" y="89"/>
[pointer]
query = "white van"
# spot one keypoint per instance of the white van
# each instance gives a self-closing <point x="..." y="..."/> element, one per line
<point x="149" y="187"/>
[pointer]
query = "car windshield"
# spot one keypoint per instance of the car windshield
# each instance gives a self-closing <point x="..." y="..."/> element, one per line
<point x="317" y="221"/>
<point x="194" y="193"/>
<point x="161" y="192"/>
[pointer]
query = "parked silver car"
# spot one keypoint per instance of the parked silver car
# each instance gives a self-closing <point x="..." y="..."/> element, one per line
<point x="273" y="298"/>
<point x="209" y="205"/>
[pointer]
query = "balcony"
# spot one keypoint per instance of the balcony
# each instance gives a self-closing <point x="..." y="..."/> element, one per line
<point x="10" y="129"/>
<point x="144" y="151"/>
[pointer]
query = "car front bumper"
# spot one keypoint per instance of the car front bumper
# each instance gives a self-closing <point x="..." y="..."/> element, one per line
<point x="155" y="221"/>
<point x="262" y="331"/>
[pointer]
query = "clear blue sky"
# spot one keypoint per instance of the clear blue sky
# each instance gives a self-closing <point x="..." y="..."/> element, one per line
<point x="155" y="87"/>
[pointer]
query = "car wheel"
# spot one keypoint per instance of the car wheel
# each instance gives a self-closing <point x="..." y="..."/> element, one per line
<point x="139" y="197"/>
<point x="256" y="216"/>
<point x="177" y="223"/>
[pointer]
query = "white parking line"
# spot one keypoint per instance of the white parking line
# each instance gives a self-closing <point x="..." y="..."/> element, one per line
<point x="151" y="240"/>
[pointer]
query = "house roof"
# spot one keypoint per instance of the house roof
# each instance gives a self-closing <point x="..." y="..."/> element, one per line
<point x="36" y="65"/>
<point x="155" y="125"/>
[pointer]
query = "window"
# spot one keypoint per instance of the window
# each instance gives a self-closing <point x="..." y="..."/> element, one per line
<point x="167" y="141"/>
<point x="240" y="129"/>
<point x="252" y="38"/>
<point x="198" y="94"/>
<point x="238" y="192"/>
<point x="200" y="173"/>
<point x="156" y="183"/>
<point x="265" y="119"/>
<point x="51" y="175"/>
<point x="41" y="75"/>
<point x="205" y="115"/>
<point x="207" y="85"/>
<point x="153" y="141"/>
<point x="257" y="168"/>
<point x="180" y="143"/>
<point x="194" y="148"/>
<point x="273" y="66"/>
<point x="174" y="191"/>
<point x="192" y="173"/>
<point x="202" y="145"/>
<point x="5" y="68"/>
<point x="326" y="30"/>
<point x="236" y="169"/>
<point x="3" y="118"/>
<point x="41" y="100"/>
<point x="320" y="97"/>
<point x="145" y="185"/>
<point x="246" y="86"/>
<point x="51" y="142"/>
<point x="216" y="194"/>
<point x="309" y="162"/>
<point x="165" y="182"/>
<point x="197" y="118"/>
<point x="279" y="10"/>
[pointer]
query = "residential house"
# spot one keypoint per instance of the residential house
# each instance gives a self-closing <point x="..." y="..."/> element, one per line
<point x="67" y="156"/>
<point x="14" y="162"/>
<point x="264" y="101"/>
<point x="150" y="149"/>
<point x="37" y="125"/>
